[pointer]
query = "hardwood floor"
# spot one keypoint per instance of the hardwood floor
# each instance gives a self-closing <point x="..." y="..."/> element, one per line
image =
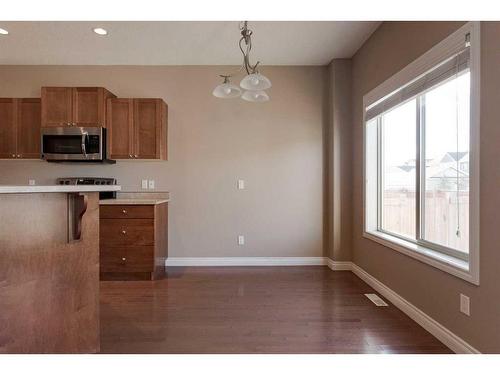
<point x="254" y="310"/>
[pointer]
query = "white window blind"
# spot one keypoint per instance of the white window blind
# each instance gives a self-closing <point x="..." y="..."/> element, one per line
<point x="451" y="67"/>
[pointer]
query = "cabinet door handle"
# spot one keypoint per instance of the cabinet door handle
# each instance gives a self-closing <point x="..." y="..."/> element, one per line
<point x="18" y="155"/>
<point x="124" y="259"/>
<point x="135" y="156"/>
<point x="13" y="155"/>
<point x="130" y="156"/>
<point x="124" y="232"/>
<point x="124" y="211"/>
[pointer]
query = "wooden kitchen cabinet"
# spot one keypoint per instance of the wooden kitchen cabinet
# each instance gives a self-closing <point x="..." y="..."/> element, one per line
<point x="120" y="128"/>
<point x="74" y="106"/>
<point x="28" y="128"/>
<point x="20" y="128"/>
<point x="7" y="128"/>
<point x="137" y="128"/>
<point x="133" y="241"/>
<point x="57" y="106"/>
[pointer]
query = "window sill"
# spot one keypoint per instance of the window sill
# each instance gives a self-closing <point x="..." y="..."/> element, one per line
<point x="454" y="266"/>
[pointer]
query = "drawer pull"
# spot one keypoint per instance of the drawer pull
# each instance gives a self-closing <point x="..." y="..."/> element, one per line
<point x="124" y="211"/>
<point x="124" y="259"/>
<point x="124" y="232"/>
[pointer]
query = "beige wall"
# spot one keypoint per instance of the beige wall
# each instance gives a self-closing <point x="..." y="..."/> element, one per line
<point x="390" y="48"/>
<point x="277" y="147"/>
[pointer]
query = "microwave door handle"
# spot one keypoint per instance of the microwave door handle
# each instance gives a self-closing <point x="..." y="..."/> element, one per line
<point x="84" y="150"/>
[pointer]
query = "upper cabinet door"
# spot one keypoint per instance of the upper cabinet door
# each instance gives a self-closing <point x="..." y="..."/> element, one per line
<point x="120" y="126"/>
<point x="28" y="128"/>
<point x="8" y="128"/>
<point x="147" y="128"/>
<point x="57" y="106"/>
<point x="89" y="106"/>
<point x="150" y="129"/>
<point x="86" y="106"/>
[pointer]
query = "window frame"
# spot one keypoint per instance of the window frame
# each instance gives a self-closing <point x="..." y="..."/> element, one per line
<point x="464" y="266"/>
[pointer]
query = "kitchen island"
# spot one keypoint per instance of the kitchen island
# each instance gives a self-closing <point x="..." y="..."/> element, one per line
<point x="49" y="268"/>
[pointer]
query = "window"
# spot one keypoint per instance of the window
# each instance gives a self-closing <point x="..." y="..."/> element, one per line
<point x="421" y="165"/>
<point x="398" y="173"/>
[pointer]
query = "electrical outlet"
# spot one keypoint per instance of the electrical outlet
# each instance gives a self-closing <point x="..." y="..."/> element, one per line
<point x="241" y="184"/>
<point x="151" y="184"/>
<point x="31" y="182"/>
<point x="465" y="304"/>
<point x="144" y="184"/>
<point x="241" y="240"/>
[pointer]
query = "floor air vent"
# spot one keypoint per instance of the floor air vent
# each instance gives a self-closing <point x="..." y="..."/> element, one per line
<point x="376" y="299"/>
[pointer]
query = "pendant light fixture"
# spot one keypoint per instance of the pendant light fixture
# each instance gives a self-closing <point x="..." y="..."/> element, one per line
<point x="254" y="83"/>
<point x="226" y="90"/>
<point x="255" y="96"/>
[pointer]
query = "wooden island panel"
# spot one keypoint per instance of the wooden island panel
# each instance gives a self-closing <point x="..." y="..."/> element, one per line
<point x="49" y="287"/>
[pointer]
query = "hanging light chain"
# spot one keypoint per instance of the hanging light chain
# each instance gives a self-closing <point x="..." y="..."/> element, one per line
<point x="246" y="36"/>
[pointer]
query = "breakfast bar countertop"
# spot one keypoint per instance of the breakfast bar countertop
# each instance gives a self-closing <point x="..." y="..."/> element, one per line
<point x="22" y="189"/>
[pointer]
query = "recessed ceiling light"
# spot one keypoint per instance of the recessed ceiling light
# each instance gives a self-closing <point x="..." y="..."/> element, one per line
<point x="100" y="31"/>
<point x="3" y="31"/>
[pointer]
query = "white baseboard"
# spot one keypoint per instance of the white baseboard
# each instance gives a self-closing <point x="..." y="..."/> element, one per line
<point x="443" y="334"/>
<point x="246" y="261"/>
<point x="338" y="265"/>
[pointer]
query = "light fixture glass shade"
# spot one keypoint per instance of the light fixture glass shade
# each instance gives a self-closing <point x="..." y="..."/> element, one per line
<point x="255" y="96"/>
<point x="227" y="91"/>
<point x="255" y="82"/>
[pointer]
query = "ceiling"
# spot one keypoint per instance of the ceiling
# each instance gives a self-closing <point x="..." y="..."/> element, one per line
<point x="179" y="42"/>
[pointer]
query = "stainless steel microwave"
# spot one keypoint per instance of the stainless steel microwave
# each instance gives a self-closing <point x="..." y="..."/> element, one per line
<point x="74" y="143"/>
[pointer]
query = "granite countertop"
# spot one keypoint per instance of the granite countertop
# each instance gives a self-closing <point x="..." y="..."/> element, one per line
<point x="13" y="189"/>
<point x="138" y="198"/>
<point x="134" y="201"/>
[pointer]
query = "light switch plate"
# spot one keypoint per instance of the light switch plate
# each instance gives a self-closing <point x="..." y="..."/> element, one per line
<point x="241" y="184"/>
<point x="465" y="304"/>
<point x="241" y="240"/>
<point x="144" y="184"/>
<point x="151" y="184"/>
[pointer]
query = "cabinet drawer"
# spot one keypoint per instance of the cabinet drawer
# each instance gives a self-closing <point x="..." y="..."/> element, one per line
<point x="126" y="211"/>
<point x="126" y="232"/>
<point x="112" y="259"/>
<point x="127" y="259"/>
